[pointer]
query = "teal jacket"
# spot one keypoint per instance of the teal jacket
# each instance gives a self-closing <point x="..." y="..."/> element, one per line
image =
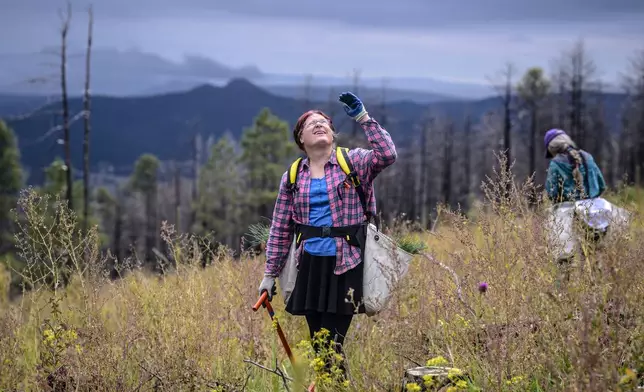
<point x="560" y="183"/>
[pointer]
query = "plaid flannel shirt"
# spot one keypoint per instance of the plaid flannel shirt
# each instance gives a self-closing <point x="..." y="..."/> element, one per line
<point x="344" y="201"/>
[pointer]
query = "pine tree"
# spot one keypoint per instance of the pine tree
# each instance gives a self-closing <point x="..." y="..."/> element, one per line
<point x="218" y="206"/>
<point x="267" y="151"/>
<point x="144" y="181"/>
<point x="11" y="182"/>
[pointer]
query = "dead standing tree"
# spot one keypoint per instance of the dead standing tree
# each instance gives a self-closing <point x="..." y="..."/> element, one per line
<point x="577" y="78"/>
<point x="66" y="19"/>
<point x="448" y="146"/>
<point x="467" y="162"/>
<point x="533" y="89"/>
<point x="424" y="174"/>
<point x="506" y="90"/>
<point x="87" y="111"/>
<point x="308" y="85"/>
<point x="632" y="136"/>
<point x="356" y="83"/>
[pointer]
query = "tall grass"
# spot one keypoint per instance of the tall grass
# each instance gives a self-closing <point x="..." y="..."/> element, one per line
<point x="495" y="308"/>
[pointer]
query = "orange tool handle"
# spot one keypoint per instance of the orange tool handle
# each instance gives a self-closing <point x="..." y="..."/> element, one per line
<point x="263" y="298"/>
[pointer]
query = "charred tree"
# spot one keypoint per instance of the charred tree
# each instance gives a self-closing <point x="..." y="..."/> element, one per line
<point x="423" y="174"/>
<point x="448" y="141"/>
<point x="308" y="84"/>
<point x="177" y="197"/>
<point x="356" y="83"/>
<point x="63" y="85"/>
<point x="467" y="161"/>
<point x="87" y="113"/>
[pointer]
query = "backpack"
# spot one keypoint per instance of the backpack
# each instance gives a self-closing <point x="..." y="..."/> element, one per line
<point x="342" y="155"/>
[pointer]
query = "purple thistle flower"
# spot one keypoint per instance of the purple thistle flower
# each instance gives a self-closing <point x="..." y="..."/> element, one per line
<point x="482" y="287"/>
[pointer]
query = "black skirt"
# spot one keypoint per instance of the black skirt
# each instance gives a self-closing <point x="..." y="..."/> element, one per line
<point x="318" y="289"/>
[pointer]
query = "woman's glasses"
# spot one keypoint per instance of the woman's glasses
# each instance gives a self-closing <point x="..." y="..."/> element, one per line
<point x="316" y="122"/>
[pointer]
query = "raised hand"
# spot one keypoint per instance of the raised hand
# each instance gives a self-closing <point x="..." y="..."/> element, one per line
<point x="353" y="106"/>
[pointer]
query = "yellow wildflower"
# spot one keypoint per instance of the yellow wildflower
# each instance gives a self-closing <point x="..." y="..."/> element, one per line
<point x="413" y="387"/>
<point x="437" y="361"/>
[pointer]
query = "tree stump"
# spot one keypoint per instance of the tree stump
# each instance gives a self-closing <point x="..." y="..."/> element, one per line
<point x="432" y="378"/>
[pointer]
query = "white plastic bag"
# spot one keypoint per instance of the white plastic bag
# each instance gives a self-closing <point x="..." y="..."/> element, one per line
<point x="595" y="213"/>
<point x="385" y="263"/>
<point x="559" y="227"/>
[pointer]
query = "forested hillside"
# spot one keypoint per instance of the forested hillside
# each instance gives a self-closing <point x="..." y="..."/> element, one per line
<point x="166" y="125"/>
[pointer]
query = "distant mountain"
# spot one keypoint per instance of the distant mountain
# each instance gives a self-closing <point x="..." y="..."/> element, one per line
<point x="164" y="125"/>
<point x="20" y="104"/>
<point x="424" y="85"/>
<point x="136" y="73"/>
<point x="114" y="72"/>
<point x="325" y="93"/>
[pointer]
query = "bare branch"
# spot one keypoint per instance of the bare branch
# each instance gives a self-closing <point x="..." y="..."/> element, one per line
<point x="459" y="292"/>
<point x="275" y="371"/>
<point x="155" y="375"/>
<point x="32" y="113"/>
<point x="77" y="117"/>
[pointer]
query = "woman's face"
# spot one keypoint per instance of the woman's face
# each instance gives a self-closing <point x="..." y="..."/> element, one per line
<point x="316" y="132"/>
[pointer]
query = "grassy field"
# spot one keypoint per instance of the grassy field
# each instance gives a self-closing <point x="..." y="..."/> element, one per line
<point x="193" y="328"/>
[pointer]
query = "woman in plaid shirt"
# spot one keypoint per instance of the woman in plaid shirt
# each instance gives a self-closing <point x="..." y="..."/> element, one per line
<point x="329" y="264"/>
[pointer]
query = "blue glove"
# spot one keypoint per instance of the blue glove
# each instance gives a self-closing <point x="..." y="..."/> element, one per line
<point x="353" y="106"/>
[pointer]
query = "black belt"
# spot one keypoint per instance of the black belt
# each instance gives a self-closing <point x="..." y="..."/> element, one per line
<point x="355" y="235"/>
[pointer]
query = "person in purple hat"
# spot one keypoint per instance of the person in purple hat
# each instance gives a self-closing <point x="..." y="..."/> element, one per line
<point x="572" y="174"/>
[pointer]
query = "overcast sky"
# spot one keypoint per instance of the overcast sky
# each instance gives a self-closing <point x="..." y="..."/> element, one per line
<point x="456" y="40"/>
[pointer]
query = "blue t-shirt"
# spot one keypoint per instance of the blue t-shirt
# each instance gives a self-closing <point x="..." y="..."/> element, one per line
<point x="320" y="215"/>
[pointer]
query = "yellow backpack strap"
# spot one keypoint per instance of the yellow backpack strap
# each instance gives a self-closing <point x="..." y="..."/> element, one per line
<point x="342" y="153"/>
<point x="343" y="159"/>
<point x="292" y="173"/>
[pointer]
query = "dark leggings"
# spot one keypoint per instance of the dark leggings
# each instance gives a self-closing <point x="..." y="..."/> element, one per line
<point x="337" y="324"/>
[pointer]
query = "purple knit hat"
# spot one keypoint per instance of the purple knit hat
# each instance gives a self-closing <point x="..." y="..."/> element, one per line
<point x="551" y="134"/>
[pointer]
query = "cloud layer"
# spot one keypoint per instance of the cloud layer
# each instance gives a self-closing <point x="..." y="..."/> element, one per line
<point x="463" y="40"/>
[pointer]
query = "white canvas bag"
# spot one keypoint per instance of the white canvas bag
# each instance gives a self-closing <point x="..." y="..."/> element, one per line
<point x="288" y="274"/>
<point x="385" y="264"/>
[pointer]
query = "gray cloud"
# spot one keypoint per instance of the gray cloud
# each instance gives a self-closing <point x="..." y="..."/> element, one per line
<point x="417" y="14"/>
<point x="459" y="39"/>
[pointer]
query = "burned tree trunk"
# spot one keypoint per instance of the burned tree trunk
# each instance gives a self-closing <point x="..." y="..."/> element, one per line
<point x="356" y="82"/>
<point x="423" y="173"/>
<point x="467" y="156"/>
<point x="177" y="197"/>
<point x="308" y="79"/>
<point x="86" y="101"/>
<point x="63" y="85"/>
<point x="447" y="164"/>
<point x="507" y="121"/>
<point x="432" y="378"/>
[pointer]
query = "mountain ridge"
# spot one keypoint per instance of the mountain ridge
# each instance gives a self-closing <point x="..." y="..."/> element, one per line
<point x="135" y="73"/>
<point x="123" y="128"/>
